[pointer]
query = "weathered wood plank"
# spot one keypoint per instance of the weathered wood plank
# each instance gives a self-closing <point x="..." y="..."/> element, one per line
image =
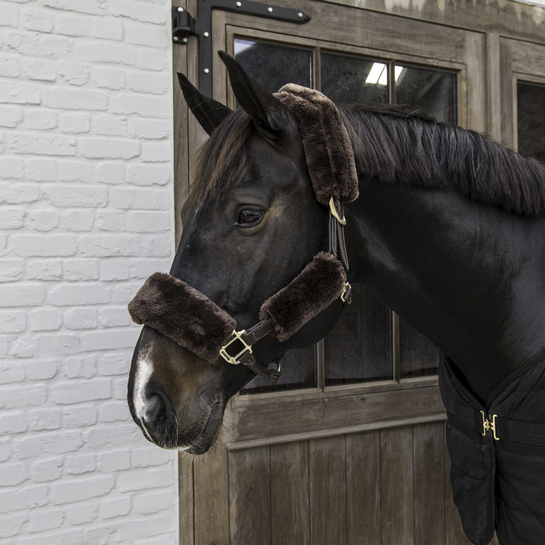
<point x="429" y="484"/>
<point x="250" y="496"/>
<point x="211" y="487"/>
<point x="396" y="477"/>
<point x="508" y="96"/>
<point x="327" y="491"/>
<point x="186" y="499"/>
<point x="363" y="513"/>
<point x="290" y="508"/>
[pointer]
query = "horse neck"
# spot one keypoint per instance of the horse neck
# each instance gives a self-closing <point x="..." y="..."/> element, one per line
<point x="466" y="275"/>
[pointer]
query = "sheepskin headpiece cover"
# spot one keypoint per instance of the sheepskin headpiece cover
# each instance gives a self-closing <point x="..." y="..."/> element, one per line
<point x="192" y="320"/>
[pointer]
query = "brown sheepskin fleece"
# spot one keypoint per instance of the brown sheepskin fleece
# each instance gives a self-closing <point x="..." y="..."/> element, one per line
<point x="317" y="286"/>
<point x="182" y="313"/>
<point x="328" y="150"/>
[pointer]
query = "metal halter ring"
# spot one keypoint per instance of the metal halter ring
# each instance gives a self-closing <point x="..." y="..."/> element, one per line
<point x="333" y="209"/>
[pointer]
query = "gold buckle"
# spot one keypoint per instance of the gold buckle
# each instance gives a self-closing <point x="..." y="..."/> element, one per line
<point x="333" y="209"/>
<point x="234" y="359"/>
<point x="489" y="424"/>
<point x="347" y="287"/>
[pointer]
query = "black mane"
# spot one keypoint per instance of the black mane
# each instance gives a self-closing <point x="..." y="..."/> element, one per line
<point x="398" y="145"/>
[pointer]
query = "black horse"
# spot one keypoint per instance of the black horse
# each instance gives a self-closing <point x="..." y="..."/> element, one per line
<point x="448" y="230"/>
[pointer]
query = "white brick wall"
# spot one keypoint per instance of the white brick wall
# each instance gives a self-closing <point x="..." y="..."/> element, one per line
<point x="86" y="213"/>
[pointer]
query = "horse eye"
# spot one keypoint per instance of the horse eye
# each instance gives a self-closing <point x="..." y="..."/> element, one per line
<point x="249" y="216"/>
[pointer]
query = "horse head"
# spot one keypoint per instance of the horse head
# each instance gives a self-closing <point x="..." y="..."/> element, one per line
<point x="251" y="224"/>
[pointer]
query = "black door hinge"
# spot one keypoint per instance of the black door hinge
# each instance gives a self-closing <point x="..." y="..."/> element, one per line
<point x="184" y="25"/>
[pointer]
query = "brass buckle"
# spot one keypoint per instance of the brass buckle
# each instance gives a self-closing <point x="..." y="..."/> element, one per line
<point x="234" y="359"/>
<point x="333" y="209"/>
<point x="489" y="424"/>
<point x="347" y="289"/>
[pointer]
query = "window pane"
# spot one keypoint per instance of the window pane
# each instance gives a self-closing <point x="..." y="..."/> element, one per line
<point x="531" y="120"/>
<point x="359" y="348"/>
<point x="419" y="357"/>
<point x="274" y="65"/>
<point x="349" y="80"/>
<point x="431" y="91"/>
<point x="298" y="371"/>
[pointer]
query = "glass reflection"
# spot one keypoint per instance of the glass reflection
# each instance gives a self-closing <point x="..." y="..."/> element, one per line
<point x="531" y="120"/>
<point x="418" y="356"/>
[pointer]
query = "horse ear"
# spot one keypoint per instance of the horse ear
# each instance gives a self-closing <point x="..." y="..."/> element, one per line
<point x="268" y="114"/>
<point x="209" y="112"/>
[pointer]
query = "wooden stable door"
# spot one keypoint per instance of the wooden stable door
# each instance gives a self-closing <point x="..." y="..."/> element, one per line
<point x="349" y="447"/>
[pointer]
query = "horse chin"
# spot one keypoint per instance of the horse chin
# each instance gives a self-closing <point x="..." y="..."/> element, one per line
<point x="209" y="434"/>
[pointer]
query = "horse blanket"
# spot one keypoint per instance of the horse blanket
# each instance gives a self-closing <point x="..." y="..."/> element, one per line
<point x="497" y="454"/>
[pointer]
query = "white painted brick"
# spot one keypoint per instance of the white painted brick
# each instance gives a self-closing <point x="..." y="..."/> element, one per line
<point x="78" y="465"/>
<point x="36" y="45"/>
<point x="136" y="479"/>
<point x="23" y="498"/>
<point x="79" y="294"/>
<point x="42" y="520"/>
<point x="109" y="339"/>
<point x="142" y="221"/>
<point x="92" y="390"/>
<point x="76" y="73"/>
<point x="11" y="218"/>
<point x="8" y="15"/>
<point x="41" y="170"/>
<point x="115" y="507"/>
<point x="81" y="318"/>
<point x="44" y="419"/>
<point x="76" y="171"/>
<point x="114" y="411"/>
<point x="115" y="460"/>
<point x="142" y="268"/>
<point x="140" y="34"/>
<point x="41" y="369"/>
<point x="75" y="99"/>
<point x="46" y="470"/>
<point x="114" y="269"/>
<point x="23" y="347"/>
<point x="114" y="364"/>
<point x="43" y="219"/>
<point x="148" y="503"/>
<point x="81" y="367"/>
<point x="111" y="220"/>
<point x="38" y="70"/>
<point x="114" y="317"/>
<point x="92" y="7"/>
<point x="45" y="443"/>
<point x="146" y="106"/>
<point x="74" y="25"/>
<point x="108" y="78"/>
<point x="109" y="29"/>
<point x="10" y="67"/>
<point x="44" y="270"/>
<point x="12" y="321"/>
<point x="70" y="537"/>
<point x="118" y="435"/>
<point x="81" y="489"/>
<point x="150" y="456"/>
<point x="148" y="59"/>
<point x="43" y="246"/>
<point x="138" y="11"/>
<point x="156" y="152"/>
<point x="141" y="82"/>
<point x="75" y="123"/>
<point x="12" y="423"/>
<point x="107" y="148"/>
<point x="65" y="195"/>
<point x="111" y="173"/>
<point x="19" y="93"/>
<point x="38" y="20"/>
<point x="45" y="319"/>
<point x="109" y="125"/>
<point x="10" y="116"/>
<point x="20" y="193"/>
<point x="139" y="198"/>
<point x="98" y="52"/>
<point x="40" y="119"/>
<point x="11" y="372"/>
<point x="142" y="127"/>
<point x="41" y="144"/>
<point x="11" y="270"/>
<point x="13" y="397"/>
<point x="11" y="167"/>
<point x="13" y="525"/>
<point x="5" y="449"/>
<point x="82" y="513"/>
<point x="77" y="220"/>
<point x="49" y="345"/>
<point x="123" y="245"/>
<point x="79" y="417"/>
<point x="163" y="539"/>
<point x="77" y="270"/>
<point x="21" y="295"/>
<point x="4" y="343"/>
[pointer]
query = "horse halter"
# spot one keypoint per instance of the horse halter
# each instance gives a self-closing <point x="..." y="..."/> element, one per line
<point x="192" y="320"/>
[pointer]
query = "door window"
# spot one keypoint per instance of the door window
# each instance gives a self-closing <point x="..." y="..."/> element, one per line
<point x="531" y="119"/>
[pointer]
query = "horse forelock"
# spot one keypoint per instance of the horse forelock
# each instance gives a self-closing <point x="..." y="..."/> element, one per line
<point x="222" y="160"/>
<point x="397" y="145"/>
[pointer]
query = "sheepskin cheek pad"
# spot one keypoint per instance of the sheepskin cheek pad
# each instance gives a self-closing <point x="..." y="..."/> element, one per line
<point x="319" y="284"/>
<point x="183" y="314"/>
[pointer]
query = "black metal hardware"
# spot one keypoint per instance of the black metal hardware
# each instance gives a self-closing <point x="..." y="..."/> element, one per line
<point x="184" y="25"/>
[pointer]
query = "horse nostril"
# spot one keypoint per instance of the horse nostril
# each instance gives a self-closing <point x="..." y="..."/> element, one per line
<point x="154" y="414"/>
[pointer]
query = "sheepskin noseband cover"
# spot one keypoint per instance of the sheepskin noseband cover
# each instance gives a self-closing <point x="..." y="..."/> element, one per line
<point x="189" y="318"/>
